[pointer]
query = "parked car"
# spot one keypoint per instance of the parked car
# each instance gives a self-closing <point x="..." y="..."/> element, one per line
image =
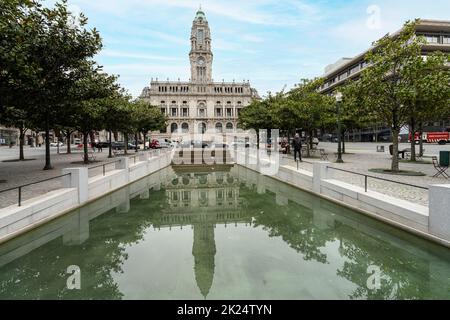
<point x="160" y="143"/>
<point x="193" y="144"/>
<point x="241" y="144"/>
<point x="121" y="146"/>
<point x="55" y="144"/>
<point x="218" y="146"/>
<point x="102" y="144"/>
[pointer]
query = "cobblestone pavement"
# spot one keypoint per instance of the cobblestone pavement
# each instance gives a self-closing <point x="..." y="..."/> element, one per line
<point x="362" y="157"/>
<point x="13" y="174"/>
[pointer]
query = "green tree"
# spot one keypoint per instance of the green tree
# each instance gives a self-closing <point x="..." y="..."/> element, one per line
<point x="114" y="114"/>
<point x="89" y="98"/>
<point x="310" y="109"/>
<point x="427" y="91"/>
<point x="17" y="118"/>
<point x="384" y="89"/>
<point x="147" y="118"/>
<point x="257" y="116"/>
<point x="42" y="48"/>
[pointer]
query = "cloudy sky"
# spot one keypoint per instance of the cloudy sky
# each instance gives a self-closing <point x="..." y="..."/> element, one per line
<point x="272" y="43"/>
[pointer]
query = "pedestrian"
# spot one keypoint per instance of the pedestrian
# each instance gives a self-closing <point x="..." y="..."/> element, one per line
<point x="297" y="147"/>
<point x="93" y="146"/>
<point x="100" y="147"/>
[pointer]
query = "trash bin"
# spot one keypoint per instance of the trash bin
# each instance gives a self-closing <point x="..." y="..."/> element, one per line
<point x="444" y="158"/>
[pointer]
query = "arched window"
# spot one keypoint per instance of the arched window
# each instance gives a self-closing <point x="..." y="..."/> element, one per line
<point x="219" y="127"/>
<point x="229" y="126"/>
<point x="201" y="128"/>
<point x="185" y="128"/>
<point x="173" y="127"/>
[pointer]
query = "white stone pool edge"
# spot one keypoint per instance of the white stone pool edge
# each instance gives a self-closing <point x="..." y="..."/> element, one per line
<point x="79" y="190"/>
<point x="431" y="223"/>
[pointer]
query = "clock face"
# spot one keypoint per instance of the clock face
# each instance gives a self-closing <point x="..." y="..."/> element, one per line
<point x="200" y="61"/>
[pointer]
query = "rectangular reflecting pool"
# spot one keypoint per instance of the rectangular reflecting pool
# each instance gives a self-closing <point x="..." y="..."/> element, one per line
<point x="220" y="233"/>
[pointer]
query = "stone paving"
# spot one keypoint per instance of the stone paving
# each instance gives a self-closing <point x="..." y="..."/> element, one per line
<point x="20" y="173"/>
<point x="360" y="159"/>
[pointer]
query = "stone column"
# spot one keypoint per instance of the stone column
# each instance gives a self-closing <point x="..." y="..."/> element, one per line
<point x="143" y="157"/>
<point x="124" y="164"/>
<point x="439" y="211"/>
<point x="79" y="228"/>
<point x="320" y="172"/>
<point x="78" y="179"/>
<point x="281" y="199"/>
<point x="145" y="195"/>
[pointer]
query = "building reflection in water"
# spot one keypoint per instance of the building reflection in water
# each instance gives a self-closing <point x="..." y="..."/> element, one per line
<point x="203" y="200"/>
<point x="325" y="235"/>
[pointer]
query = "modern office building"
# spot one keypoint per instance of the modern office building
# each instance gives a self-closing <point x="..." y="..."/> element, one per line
<point x="437" y="35"/>
<point x="199" y="104"/>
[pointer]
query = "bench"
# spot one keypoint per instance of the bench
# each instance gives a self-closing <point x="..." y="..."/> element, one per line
<point x="419" y="155"/>
<point x="400" y="152"/>
<point x="117" y="152"/>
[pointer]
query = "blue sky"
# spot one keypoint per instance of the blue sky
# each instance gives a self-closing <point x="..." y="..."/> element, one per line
<point x="271" y="43"/>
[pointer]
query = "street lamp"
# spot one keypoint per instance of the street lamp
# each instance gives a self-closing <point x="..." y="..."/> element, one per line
<point x="338" y="97"/>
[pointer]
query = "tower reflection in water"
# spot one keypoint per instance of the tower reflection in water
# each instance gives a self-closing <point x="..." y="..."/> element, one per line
<point x="203" y="200"/>
<point x="295" y="245"/>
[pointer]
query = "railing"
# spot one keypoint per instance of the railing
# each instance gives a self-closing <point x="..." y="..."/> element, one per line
<point x="103" y="165"/>
<point x="366" y="178"/>
<point x="19" y="188"/>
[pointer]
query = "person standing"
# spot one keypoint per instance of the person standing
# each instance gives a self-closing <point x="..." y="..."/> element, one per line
<point x="297" y="147"/>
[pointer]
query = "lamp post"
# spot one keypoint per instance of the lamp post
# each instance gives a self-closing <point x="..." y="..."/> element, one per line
<point x="338" y="97"/>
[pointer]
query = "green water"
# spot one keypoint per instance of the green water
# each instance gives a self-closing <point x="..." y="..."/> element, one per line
<point x="224" y="234"/>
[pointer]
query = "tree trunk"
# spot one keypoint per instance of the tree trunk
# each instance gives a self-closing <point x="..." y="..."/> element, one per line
<point x="145" y="140"/>
<point x="48" y="164"/>
<point x="412" y="132"/>
<point x="136" y="142"/>
<point x="420" y="139"/>
<point x="68" y="141"/>
<point x="21" y="143"/>
<point x="343" y="143"/>
<point x="110" y="145"/>
<point x="395" y="165"/>
<point x="125" y="147"/>
<point x="257" y="139"/>
<point x="308" y="147"/>
<point x="85" y="147"/>
<point x="92" y="137"/>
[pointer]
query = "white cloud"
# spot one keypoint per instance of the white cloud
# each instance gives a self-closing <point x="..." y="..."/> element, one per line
<point x="137" y="55"/>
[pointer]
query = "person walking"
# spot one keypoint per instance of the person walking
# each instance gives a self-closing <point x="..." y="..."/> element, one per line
<point x="297" y="147"/>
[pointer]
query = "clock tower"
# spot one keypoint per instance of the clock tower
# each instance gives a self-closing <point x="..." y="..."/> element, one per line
<point x="201" y="56"/>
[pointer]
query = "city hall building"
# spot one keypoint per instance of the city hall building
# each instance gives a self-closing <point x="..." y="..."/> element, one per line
<point x="200" y="104"/>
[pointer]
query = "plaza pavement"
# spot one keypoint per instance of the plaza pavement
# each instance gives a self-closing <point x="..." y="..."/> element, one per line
<point x="13" y="174"/>
<point x="360" y="158"/>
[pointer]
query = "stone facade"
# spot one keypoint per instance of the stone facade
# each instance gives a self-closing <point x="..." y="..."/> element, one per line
<point x="200" y="104"/>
